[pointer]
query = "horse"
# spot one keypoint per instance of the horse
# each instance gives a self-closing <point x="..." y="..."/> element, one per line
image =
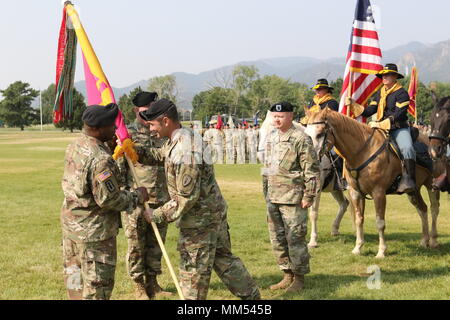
<point x="371" y="169"/>
<point x="439" y="138"/>
<point x="328" y="176"/>
<point x="338" y="195"/>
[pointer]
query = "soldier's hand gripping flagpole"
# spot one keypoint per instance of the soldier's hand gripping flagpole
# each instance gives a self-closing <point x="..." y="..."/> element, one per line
<point x="155" y="230"/>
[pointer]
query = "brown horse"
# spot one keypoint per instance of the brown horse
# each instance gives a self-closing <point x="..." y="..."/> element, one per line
<point x="439" y="137"/>
<point x="371" y="169"/>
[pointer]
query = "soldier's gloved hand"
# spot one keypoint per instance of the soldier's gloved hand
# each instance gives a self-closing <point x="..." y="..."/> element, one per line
<point x="142" y="194"/>
<point x="148" y="215"/>
<point x="355" y="108"/>
<point x="349" y="101"/>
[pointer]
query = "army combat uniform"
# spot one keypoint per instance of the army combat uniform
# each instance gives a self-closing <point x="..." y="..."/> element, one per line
<point x="200" y="213"/>
<point x="293" y="175"/>
<point x="144" y="254"/>
<point x="229" y="145"/>
<point x="252" y="143"/>
<point x="90" y="218"/>
<point x="217" y="142"/>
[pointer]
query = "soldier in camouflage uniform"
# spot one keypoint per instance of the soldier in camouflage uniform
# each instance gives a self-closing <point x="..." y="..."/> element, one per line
<point x="292" y="183"/>
<point x="252" y="142"/>
<point x="90" y="213"/>
<point x="208" y="138"/>
<point x="228" y="132"/>
<point x="217" y="141"/>
<point x="144" y="254"/>
<point x="239" y="144"/>
<point x="198" y="208"/>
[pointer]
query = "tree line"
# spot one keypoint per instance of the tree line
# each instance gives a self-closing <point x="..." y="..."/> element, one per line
<point x="241" y="93"/>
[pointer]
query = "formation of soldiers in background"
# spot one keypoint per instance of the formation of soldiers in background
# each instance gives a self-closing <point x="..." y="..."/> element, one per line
<point x="227" y="145"/>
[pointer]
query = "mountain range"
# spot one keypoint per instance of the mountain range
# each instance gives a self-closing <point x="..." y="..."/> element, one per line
<point x="432" y="62"/>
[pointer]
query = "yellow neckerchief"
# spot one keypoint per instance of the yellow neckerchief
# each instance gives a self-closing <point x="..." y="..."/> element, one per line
<point x="318" y="101"/>
<point x="383" y="96"/>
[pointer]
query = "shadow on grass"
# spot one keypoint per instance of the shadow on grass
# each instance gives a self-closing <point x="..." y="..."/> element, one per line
<point x="317" y="286"/>
<point x="413" y="274"/>
<point x="410" y="241"/>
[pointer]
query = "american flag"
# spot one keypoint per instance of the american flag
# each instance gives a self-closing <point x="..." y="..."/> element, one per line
<point x="363" y="59"/>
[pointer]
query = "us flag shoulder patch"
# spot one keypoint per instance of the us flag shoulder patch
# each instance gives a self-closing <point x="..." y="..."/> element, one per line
<point x="105" y="175"/>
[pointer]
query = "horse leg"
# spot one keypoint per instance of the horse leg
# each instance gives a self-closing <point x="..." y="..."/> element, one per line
<point x="379" y="198"/>
<point x="434" y="207"/>
<point x="417" y="201"/>
<point x="338" y="195"/>
<point x="313" y="216"/>
<point x="358" y="204"/>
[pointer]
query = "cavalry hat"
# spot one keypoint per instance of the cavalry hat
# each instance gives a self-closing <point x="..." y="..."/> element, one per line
<point x="100" y="116"/>
<point x="282" y="107"/>
<point x="144" y="98"/>
<point x="157" y="109"/>
<point x="389" y="68"/>
<point x="322" y="83"/>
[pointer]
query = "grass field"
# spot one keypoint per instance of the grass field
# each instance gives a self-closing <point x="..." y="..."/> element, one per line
<point x="31" y="167"/>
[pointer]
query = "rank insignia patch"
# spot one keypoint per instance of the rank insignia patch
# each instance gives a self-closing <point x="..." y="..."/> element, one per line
<point x="110" y="186"/>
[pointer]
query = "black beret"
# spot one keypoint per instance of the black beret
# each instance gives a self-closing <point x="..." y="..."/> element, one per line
<point x="157" y="109"/>
<point x="144" y="98"/>
<point x="282" y="107"/>
<point x="100" y="116"/>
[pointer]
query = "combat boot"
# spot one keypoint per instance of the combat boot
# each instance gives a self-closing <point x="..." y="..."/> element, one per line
<point x="298" y="284"/>
<point x="408" y="182"/>
<point x="139" y="291"/>
<point x="285" y="282"/>
<point x="153" y="288"/>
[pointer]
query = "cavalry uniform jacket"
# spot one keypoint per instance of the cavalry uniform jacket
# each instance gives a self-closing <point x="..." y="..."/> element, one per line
<point x="396" y="108"/>
<point x="293" y="172"/>
<point x="332" y="104"/>
<point x="92" y="196"/>
<point x="195" y="197"/>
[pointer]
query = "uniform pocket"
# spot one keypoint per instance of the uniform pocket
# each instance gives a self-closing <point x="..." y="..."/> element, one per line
<point x="287" y="159"/>
<point x="108" y="258"/>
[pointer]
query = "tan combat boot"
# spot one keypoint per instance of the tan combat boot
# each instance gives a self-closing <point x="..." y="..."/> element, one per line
<point x="285" y="282"/>
<point x="153" y="288"/>
<point x="298" y="284"/>
<point x="140" y="292"/>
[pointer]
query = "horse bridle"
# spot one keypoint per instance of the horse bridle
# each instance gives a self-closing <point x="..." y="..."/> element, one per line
<point x="325" y="142"/>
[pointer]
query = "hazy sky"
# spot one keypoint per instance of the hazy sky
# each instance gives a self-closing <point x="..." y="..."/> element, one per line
<point x="138" y="39"/>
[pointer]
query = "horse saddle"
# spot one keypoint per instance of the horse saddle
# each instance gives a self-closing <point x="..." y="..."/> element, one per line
<point x="423" y="158"/>
<point x="332" y="166"/>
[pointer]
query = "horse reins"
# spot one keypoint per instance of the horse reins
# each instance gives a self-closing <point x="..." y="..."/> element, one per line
<point x="362" y="166"/>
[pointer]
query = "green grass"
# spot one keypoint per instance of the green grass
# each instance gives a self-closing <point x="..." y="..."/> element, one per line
<point x="31" y="167"/>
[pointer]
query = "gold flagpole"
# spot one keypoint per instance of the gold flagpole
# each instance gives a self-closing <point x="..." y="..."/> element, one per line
<point x="156" y="231"/>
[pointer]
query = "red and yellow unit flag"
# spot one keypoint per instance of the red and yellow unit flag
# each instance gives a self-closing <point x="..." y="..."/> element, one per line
<point x="98" y="89"/>
<point x="412" y="90"/>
